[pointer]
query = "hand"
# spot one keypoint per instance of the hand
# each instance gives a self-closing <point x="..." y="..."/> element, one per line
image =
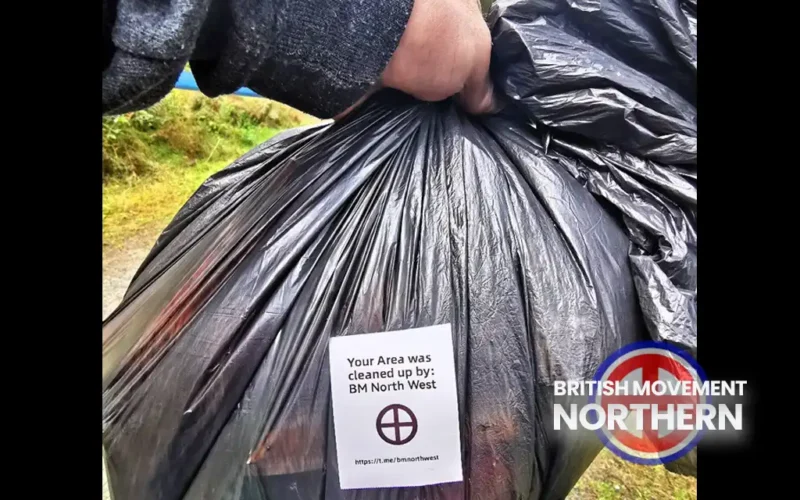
<point x="444" y="51"/>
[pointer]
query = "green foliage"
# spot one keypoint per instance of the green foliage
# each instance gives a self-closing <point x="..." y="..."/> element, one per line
<point x="154" y="159"/>
<point x="146" y="121"/>
<point x="186" y="128"/>
<point x="607" y="491"/>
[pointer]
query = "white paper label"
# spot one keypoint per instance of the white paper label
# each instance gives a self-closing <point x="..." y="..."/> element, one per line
<point x="395" y="408"/>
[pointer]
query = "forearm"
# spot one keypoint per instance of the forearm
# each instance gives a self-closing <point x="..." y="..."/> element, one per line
<point x="319" y="56"/>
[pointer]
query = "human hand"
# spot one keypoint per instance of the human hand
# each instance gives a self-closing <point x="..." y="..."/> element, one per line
<point x="444" y="51"/>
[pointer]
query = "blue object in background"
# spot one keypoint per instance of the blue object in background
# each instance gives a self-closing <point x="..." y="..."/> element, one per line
<point x="187" y="82"/>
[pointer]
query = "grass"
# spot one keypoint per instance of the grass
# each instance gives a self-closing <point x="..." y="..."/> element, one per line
<point x="154" y="159"/>
<point x="611" y="478"/>
<point x="148" y="204"/>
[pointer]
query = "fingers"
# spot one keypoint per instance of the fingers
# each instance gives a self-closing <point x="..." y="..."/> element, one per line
<point x="477" y="97"/>
<point x="445" y="51"/>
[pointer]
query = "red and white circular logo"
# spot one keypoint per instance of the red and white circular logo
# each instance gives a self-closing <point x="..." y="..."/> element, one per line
<point x="650" y="377"/>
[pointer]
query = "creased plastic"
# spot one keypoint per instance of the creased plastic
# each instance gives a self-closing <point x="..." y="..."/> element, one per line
<point x="547" y="236"/>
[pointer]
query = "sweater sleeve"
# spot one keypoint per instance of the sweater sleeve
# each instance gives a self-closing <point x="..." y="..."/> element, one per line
<point x="319" y="56"/>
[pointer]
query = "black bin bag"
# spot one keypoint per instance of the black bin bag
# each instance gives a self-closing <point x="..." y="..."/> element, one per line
<point x="548" y="236"/>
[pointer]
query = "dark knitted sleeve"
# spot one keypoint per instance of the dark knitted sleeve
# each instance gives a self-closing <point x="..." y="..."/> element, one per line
<point x="319" y="56"/>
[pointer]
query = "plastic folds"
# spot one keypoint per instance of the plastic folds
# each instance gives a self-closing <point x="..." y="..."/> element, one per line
<point x="548" y="236"/>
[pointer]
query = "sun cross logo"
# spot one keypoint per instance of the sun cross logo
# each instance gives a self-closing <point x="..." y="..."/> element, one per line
<point x="396" y="424"/>
<point x="649" y="403"/>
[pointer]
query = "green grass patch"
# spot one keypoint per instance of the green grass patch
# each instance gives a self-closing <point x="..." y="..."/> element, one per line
<point x="155" y="159"/>
<point x="186" y="128"/>
<point x="611" y="478"/>
<point x="148" y="204"/>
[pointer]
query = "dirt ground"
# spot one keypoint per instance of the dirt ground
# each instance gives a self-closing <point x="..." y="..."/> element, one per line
<point x="119" y="266"/>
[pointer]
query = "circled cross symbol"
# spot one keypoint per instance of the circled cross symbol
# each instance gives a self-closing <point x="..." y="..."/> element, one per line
<point x="644" y="439"/>
<point x="396" y="424"/>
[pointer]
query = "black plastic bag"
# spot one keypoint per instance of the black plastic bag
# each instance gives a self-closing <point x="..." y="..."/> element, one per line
<point x="612" y="85"/>
<point x="544" y="248"/>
